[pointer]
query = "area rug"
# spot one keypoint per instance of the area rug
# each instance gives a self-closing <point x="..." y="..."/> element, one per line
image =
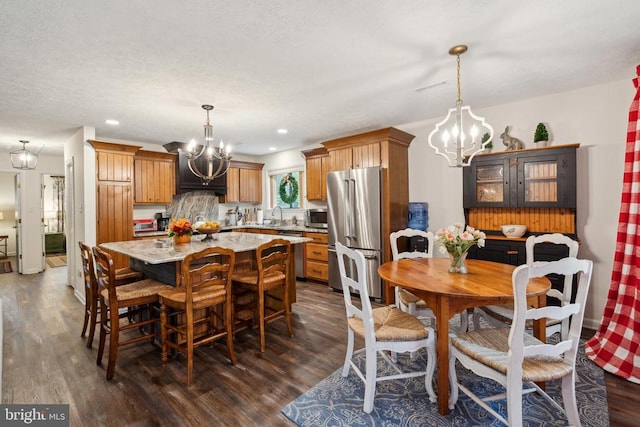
<point x="337" y="401"/>
<point x="5" y="267"/>
<point x="56" y="261"/>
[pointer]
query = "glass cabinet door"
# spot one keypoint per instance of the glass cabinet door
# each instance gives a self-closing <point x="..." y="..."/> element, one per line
<point x="489" y="188"/>
<point x="540" y="181"/>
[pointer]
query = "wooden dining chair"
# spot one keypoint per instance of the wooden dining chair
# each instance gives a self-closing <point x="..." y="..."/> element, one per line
<point x="405" y="300"/>
<point x="382" y="329"/>
<point x="269" y="284"/>
<point x="91" y="304"/>
<point x="136" y="297"/>
<point x="512" y="357"/>
<point x="206" y="285"/>
<point x="499" y="315"/>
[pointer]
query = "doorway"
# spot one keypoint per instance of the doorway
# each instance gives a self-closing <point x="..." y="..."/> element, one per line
<point x="8" y="230"/>
<point x="53" y="220"/>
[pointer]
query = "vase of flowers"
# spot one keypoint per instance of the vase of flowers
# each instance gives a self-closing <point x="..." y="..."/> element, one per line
<point x="181" y="231"/>
<point x="456" y="242"/>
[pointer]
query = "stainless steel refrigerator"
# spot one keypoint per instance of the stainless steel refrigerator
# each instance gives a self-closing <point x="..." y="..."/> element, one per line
<point x="354" y="204"/>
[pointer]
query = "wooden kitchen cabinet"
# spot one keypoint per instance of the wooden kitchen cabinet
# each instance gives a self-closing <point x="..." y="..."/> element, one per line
<point x="317" y="166"/>
<point x="244" y="182"/>
<point x="114" y="195"/>
<point x="354" y="157"/>
<point x="541" y="177"/>
<point x="154" y="177"/>
<point x="316" y="257"/>
<point x="535" y="187"/>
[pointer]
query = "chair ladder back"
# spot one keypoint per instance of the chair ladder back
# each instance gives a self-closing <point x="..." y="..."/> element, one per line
<point x="273" y="257"/>
<point x="357" y="269"/>
<point x="209" y="267"/>
<point x="105" y="272"/>
<point x="573" y="312"/>
<point x="407" y="233"/>
<point x="558" y="239"/>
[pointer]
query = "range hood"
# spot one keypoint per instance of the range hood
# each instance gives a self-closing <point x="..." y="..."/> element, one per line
<point x="186" y="181"/>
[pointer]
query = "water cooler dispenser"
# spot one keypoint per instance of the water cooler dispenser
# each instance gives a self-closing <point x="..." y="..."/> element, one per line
<point x="418" y="220"/>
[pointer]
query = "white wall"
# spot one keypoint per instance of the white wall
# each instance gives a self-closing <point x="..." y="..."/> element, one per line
<point x="595" y="117"/>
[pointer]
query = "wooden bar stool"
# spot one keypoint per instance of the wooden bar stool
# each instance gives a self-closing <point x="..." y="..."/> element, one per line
<point x="206" y="285"/>
<point x="273" y="266"/>
<point x="91" y="304"/>
<point x="138" y="297"/>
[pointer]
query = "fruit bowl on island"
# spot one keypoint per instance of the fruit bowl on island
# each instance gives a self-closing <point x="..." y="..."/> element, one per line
<point x="210" y="229"/>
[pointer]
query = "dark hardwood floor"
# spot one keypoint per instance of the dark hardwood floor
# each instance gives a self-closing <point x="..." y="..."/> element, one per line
<point x="46" y="361"/>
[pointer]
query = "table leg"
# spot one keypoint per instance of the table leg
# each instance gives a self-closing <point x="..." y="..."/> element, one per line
<point x="442" y="351"/>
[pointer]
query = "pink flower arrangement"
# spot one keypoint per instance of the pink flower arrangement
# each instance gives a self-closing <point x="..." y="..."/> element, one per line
<point x="456" y="242"/>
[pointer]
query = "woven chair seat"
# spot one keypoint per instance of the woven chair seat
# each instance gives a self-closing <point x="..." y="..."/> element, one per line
<point x="490" y="346"/>
<point x="140" y="289"/>
<point x="392" y="324"/>
<point x="407" y="298"/>
<point x="179" y="295"/>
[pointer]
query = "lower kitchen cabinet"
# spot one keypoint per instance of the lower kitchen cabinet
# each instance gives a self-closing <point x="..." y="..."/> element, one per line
<point x="316" y="257"/>
<point x="513" y="251"/>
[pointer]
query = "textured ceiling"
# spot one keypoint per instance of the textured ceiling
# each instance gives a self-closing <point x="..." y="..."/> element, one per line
<point x="321" y="69"/>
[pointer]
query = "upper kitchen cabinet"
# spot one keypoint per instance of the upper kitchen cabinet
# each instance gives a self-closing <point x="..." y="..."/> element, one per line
<point x="369" y="149"/>
<point x="114" y="162"/>
<point x="534" y="178"/>
<point x="244" y="182"/>
<point x="317" y="166"/>
<point x="154" y="177"/>
<point x="186" y="180"/>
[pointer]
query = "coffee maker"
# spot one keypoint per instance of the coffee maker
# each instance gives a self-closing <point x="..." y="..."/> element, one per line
<point x="163" y="219"/>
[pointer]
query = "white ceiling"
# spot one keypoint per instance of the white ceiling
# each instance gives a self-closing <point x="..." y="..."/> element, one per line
<point x="321" y="69"/>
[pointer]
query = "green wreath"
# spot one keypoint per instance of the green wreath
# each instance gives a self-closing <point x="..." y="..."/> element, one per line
<point x="290" y="183"/>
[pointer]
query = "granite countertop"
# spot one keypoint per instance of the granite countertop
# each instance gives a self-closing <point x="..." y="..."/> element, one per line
<point x="234" y="227"/>
<point x="162" y="250"/>
<point x="280" y="228"/>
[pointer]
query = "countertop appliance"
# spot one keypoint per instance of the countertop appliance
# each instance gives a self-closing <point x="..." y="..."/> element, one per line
<point x="163" y="219"/>
<point x="142" y="225"/>
<point x="354" y="204"/>
<point x="316" y="218"/>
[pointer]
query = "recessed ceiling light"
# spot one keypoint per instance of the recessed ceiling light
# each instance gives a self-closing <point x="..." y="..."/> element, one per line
<point x="112" y="122"/>
<point x="282" y="131"/>
<point x="272" y="148"/>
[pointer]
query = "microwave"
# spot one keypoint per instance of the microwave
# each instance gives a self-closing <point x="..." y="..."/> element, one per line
<point x="142" y="225"/>
<point x="317" y="218"/>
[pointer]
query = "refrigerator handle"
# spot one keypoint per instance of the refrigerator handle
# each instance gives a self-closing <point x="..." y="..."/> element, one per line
<point x="352" y="207"/>
<point x="347" y="209"/>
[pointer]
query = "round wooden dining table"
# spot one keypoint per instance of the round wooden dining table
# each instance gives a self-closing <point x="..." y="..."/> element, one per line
<point x="486" y="283"/>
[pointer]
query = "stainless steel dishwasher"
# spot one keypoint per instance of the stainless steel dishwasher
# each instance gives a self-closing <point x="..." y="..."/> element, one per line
<point x="299" y="251"/>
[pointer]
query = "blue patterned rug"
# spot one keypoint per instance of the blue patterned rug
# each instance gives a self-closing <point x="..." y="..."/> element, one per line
<point x="337" y="401"/>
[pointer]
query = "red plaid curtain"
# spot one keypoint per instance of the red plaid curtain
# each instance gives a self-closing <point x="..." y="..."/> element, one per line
<point x="615" y="345"/>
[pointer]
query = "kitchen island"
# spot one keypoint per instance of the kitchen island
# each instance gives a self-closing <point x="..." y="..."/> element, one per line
<point x="160" y="259"/>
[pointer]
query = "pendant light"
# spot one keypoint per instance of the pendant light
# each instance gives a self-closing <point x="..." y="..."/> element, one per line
<point x="216" y="159"/>
<point x="458" y="136"/>
<point x="24" y="159"/>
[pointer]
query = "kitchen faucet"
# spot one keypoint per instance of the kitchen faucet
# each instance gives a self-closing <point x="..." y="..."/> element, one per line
<point x="273" y="215"/>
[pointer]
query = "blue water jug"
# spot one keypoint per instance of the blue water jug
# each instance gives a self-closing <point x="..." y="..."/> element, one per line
<point x="419" y="215"/>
